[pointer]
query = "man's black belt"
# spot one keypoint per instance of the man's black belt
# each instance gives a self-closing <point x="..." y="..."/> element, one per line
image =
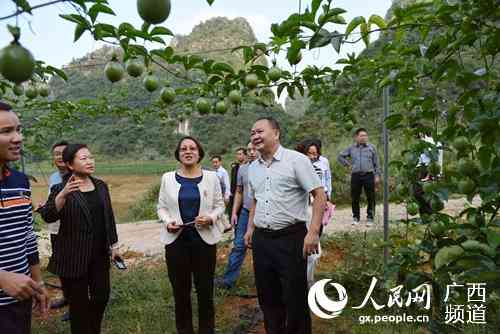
<point x="297" y="227"/>
<point x="362" y="173"/>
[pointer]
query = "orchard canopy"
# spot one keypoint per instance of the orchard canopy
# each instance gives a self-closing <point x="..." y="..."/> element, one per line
<point x="439" y="58"/>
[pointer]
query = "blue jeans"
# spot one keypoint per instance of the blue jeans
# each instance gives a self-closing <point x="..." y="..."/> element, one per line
<point x="239" y="250"/>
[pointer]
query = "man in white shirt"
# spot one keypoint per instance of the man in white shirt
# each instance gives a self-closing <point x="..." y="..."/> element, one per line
<point x="54" y="179"/>
<point x="280" y="182"/>
<point x="223" y="177"/>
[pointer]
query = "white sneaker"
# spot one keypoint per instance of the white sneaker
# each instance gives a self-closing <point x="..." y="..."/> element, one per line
<point x="355" y="222"/>
<point x="369" y="222"/>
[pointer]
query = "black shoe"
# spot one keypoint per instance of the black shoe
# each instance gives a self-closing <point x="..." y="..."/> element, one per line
<point x="60" y="303"/>
<point x="65" y="316"/>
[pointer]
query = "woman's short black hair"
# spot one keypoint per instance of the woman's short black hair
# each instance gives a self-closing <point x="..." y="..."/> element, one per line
<point x="201" y="151"/>
<point x="315" y="144"/>
<point x="70" y="152"/>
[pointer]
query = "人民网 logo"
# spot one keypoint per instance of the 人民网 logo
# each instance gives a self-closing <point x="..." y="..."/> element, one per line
<point x="319" y="301"/>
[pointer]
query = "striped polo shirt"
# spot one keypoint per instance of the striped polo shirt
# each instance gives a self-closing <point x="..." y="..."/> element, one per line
<point x="18" y="242"/>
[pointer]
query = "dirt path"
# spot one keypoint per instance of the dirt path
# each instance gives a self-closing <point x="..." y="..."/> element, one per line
<point x="144" y="237"/>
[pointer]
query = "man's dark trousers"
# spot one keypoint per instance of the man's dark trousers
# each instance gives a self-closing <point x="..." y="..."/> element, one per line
<point x="16" y="318"/>
<point x="281" y="279"/>
<point x="360" y="181"/>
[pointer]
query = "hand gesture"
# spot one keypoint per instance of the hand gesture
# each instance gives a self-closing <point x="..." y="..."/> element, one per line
<point x="172" y="227"/>
<point x="72" y="185"/>
<point x="234" y="219"/>
<point x="311" y="244"/>
<point x="19" y="286"/>
<point x="248" y="238"/>
<point x="203" y="221"/>
<point x="41" y="302"/>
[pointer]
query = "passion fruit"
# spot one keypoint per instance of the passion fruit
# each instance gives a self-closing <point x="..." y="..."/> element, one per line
<point x="167" y="95"/>
<point x="235" y="96"/>
<point x="134" y="68"/>
<point x="31" y="92"/>
<point x="203" y="106"/>
<point x="153" y="11"/>
<point x="43" y="90"/>
<point x="114" y="71"/>
<point x="151" y="83"/>
<point x="274" y="73"/>
<point x="220" y="107"/>
<point x="17" y="64"/>
<point x="251" y="80"/>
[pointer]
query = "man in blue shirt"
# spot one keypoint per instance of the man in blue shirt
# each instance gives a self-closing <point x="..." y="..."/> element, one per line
<point x="20" y="275"/>
<point x="362" y="160"/>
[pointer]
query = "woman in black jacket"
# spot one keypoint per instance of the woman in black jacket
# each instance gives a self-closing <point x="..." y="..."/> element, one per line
<point x="87" y="239"/>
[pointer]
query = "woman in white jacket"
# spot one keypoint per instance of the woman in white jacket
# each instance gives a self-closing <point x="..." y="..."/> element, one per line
<point x="191" y="208"/>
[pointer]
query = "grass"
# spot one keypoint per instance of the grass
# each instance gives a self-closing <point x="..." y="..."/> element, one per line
<point x="142" y="299"/>
<point x="43" y="169"/>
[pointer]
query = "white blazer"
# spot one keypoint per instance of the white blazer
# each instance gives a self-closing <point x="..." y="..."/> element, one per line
<point x="211" y="205"/>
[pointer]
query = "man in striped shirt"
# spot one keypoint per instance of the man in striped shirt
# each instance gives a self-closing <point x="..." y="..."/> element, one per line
<point x="20" y="275"/>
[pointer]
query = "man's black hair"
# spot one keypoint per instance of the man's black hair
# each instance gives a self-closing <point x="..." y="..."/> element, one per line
<point x="59" y="143"/>
<point x="242" y="149"/>
<point x="5" y="106"/>
<point x="274" y="123"/>
<point x="358" y="131"/>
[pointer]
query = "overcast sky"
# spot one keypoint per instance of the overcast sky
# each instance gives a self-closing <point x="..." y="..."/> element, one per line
<point x="50" y="38"/>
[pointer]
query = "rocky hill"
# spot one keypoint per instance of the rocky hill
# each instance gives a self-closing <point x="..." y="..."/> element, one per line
<point x="216" y="37"/>
<point x="112" y="135"/>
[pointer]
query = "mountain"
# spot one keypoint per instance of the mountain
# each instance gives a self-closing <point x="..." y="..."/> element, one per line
<point x="216" y="37"/>
<point x="152" y="136"/>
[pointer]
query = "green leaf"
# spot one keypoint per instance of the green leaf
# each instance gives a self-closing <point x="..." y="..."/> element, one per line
<point x="14" y="31"/>
<point x="493" y="236"/>
<point x="138" y="50"/>
<point x="80" y="3"/>
<point x="315" y="6"/>
<point x="354" y="24"/>
<point x="103" y="30"/>
<point x="364" y="33"/>
<point x="378" y="21"/>
<point x="125" y="28"/>
<point x="78" y="19"/>
<point x="247" y="54"/>
<point x="321" y="38"/>
<point x="213" y="79"/>
<point x="210" y="2"/>
<point x="294" y="51"/>
<point x="161" y="31"/>
<point x="336" y="41"/>
<point x="99" y="8"/>
<point x="300" y="88"/>
<point x="281" y="87"/>
<point x="393" y="121"/>
<point x="57" y="71"/>
<point x="223" y="67"/>
<point x="24" y="5"/>
<point x="336" y="19"/>
<point x="79" y="30"/>
<point x="336" y="11"/>
<point x="291" y="91"/>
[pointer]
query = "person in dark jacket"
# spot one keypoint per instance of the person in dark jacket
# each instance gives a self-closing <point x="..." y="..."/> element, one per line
<point x="241" y="159"/>
<point x="86" y="240"/>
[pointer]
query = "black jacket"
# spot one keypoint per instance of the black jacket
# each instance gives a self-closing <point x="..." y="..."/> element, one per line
<point x="73" y="247"/>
